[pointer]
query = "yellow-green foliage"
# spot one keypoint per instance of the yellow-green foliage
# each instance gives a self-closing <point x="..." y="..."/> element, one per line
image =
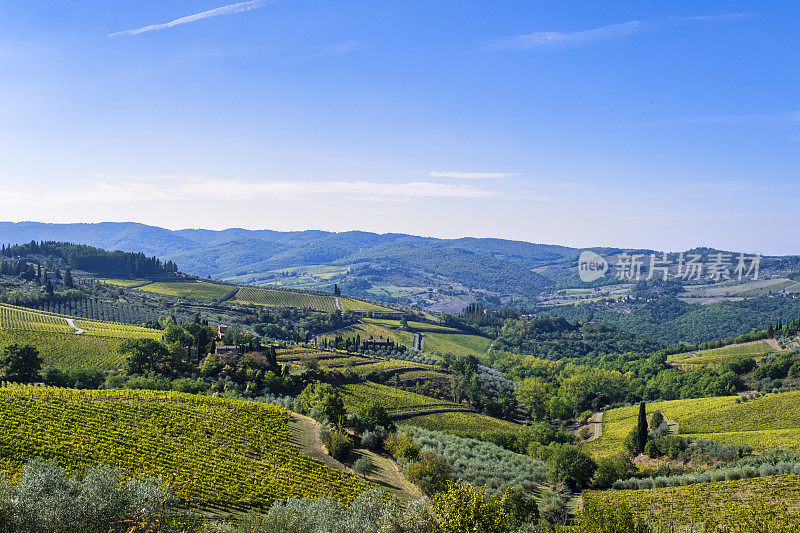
<point x="220" y="452"/>
<point x="469" y="424"/>
<point x="423" y="375"/>
<point x="770" y="421"/>
<point x="413" y="325"/>
<point x="13" y="317"/>
<point x="395" y="401"/>
<point x="285" y="298"/>
<point x="116" y="330"/>
<point x="617" y="423"/>
<point x="455" y="343"/>
<point x="715" y="356"/>
<point x="67" y="350"/>
<point x="193" y="290"/>
<point x="382" y="366"/>
<point x="20" y="318"/>
<point x="772" y="411"/>
<point x="127" y="283"/>
<point x="728" y="503"/>
<point x="351" y="304"/>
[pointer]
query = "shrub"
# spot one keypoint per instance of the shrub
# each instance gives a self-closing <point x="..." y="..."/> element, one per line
<point x="363" y="465"/>
<point x="656" y="419"/>
<point x="401" y="446"/>
<point x="571" y="466"/>
<point x="429" y="472"/>
<point x="611" y="469"/>
<point x="325" y="399"/>
<point x="338" y="442"/>
<point x="373" y="414"/>
<point x="373" y="439"/>
<point x="554" y="507"/>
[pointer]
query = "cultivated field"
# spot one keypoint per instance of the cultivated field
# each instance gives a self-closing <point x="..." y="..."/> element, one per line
<point x="396" y="401"/>
<point x="729" y="503"/>
<point x="715" y="356"/>
<point x="220" y="453"/>
<point x="463" y="424"/>
<point x="192" y="290"/>
<point x="67" y="350"/>
<point x="770" y="421"/>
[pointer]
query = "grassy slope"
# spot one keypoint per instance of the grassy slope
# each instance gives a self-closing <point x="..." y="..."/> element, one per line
<point x="396" y="401"/>
<point x="754" y="349"/>
<point x="65" y="350"/>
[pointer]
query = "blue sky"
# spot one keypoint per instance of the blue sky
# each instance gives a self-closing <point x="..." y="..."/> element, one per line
<point x="664" y="125"/>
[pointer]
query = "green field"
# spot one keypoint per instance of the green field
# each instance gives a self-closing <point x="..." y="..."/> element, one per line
<point x="714" y="356"/>
<point x="413" y="325"/>
<point x="454" y="343"/>
<point x="285" y="298"/>
<point x="127" y="283"/>
<point x="770" y="421"/>
<point x="351" y="304"/>
<point x="67" y="350"/>
<point x="395" y="401"/>
<point x="24" y="319"/>
<point x="462" y="424"/>
<point x="218" y="452"/>
<point x="730" y="503"/>
<point x="191" y="290"/>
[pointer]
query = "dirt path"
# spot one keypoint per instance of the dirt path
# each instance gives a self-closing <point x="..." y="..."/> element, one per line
<point x="78" y="330"/>
<point x="774" y="344"/>
<point x="304" y="432"/>
<point x="673" y="426"/>
<point x="597" y="426"/>
<point x="338" y="303"/>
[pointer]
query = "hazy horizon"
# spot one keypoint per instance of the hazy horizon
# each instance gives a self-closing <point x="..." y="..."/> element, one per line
<point x="638" y="125"/>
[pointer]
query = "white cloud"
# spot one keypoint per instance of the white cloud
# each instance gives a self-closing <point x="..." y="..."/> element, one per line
<point x="559" y="39"/>
<point x="107" y="188"/>
<point x="472" y="175"/>
<point x="224" y="10"/>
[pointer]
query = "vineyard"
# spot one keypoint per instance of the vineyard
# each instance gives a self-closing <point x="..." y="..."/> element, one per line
<point x="67" y="350"/>
<point x="729" y="503"/>
<point x="286" y="298"/>
<point x="220" y="453"/>
<point x="463" y="424"/>
<point x="715" y="356"/>
<point x="21" y="318"/>
<point x="95" y="309"/>
<point x="192" y="290"/>
<point x="126" y="283"/>
<point x="351" y="304"/>
<point x="396" y="401"/>
<point x="770" y="421"/>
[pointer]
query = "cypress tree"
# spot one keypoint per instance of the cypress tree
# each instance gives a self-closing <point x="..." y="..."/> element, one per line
<point x="640" y="437"/>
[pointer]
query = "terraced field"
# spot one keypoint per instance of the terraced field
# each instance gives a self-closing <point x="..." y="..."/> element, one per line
<point x="127" y="283"/>
<point x="770" y="421"/>
<point x="396" y="401"/>
<point x="351" y="304"/>
<point x="461" y="424"/>
<point x="715" y="356"/>
<point x="193" y="290"/>
<point x="221" y="453"/>
<point x="731" y="504"/>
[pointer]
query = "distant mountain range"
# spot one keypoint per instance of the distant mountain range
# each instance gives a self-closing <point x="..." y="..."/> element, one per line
<point x="441" y="274"/>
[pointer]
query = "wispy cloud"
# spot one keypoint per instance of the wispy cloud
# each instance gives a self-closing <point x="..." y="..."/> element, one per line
<point x="559" y="39"/>
<point x="471" y="175"/>
<point x="224" y="10"/>
<point x="107" y="188"/>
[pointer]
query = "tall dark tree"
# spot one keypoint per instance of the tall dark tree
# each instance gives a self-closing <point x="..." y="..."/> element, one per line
<point x="640" y="436"/>
<point x="20" y="363"/>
